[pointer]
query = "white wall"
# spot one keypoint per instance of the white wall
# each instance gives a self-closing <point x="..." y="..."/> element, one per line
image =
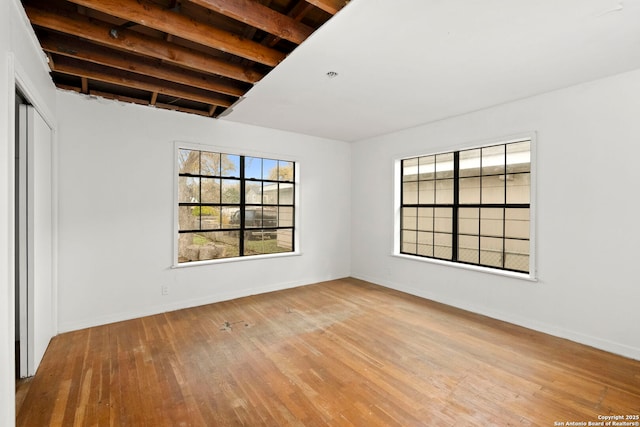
<point x="7" y="390"/>
<point x="20" y="59"/>
<point x="588" y="236"/>
<point x="116" y="212"/>
<point x="7" y="334"/>
<point x="116" y="246"/>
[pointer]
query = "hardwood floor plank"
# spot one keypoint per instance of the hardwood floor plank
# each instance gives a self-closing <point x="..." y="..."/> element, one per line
<point x="339" y="353"/>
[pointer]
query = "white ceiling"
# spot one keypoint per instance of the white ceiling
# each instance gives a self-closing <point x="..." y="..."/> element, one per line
<point x="402" y="63"/>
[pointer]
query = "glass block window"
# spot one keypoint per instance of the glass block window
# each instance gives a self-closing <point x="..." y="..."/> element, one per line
<point x="469" y="206"/>
<point x="233" y="206"/>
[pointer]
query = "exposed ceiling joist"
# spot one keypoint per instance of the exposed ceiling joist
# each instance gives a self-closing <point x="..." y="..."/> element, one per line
<point x="182" y="109"/>
<point x="153" y="16"/>
<point x="155" y="104"/>
<point x="133" y="42"/>
<point x="109" y="95"/>
<point x="74" y="48"/>
<point x="297" y="13"/>
<point x="196" y="56"/>
<point x="136" y="81"/>
<point x="259" y="16"/>
<point x="329" y="6"/>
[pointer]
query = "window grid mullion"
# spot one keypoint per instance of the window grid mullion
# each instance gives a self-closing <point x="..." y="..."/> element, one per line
<point x="200" y="190"/>
<point x="242" y="209"/>
<point x="455" y="210"/>
<point x="504" y="210"/>
<point x="221" y="233"/>
<point x="480" y="210"/>
<point x="484" y="160"/>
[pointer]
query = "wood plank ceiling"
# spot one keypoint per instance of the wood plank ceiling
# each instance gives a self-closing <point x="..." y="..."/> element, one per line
<point x="195" y="56"/>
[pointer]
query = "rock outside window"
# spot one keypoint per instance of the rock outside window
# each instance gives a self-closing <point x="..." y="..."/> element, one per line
<point x="233" y="206"/>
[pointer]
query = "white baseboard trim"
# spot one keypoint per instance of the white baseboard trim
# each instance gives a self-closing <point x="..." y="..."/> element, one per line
<point x="175" y="305"/>
<point x="591" y="341"/>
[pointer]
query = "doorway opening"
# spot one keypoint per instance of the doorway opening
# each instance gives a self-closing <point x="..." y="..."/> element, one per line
<point x="33" y="237"/>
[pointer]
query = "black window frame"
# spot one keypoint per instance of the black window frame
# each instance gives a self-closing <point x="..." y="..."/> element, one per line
<point x="244" y="229"/>
<point x="519" y="213"/>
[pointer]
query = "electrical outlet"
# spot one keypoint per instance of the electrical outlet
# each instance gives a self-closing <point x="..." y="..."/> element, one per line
<point x="164" y="289"/>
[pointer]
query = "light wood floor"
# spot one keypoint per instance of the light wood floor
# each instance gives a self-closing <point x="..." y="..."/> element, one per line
<point x="340" y="353"/>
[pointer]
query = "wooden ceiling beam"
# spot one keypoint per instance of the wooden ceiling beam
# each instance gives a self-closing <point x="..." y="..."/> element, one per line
<point x="138" y="101"/>
<point x="133" y="42"/>
<point x="50" y="60"/>
<point x="69" y="87"/>
<point x="257" y="15"/>
<point x="131" y="80"/>
<point x="329" y="6"/>
<point x="297" y="13"/>
<point x="74" y="48"/>
<point x="116" y="97"/>
<point x="153" y="16"/>
<point x="183" y="109"/>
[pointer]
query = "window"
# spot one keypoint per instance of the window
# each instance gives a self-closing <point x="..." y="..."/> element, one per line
<point x="233" y="206"/>
<point x="470" y="206"/>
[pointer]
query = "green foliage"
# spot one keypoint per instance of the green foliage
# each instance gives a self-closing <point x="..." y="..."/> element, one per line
<point x="204" y="211"/>
<point x="200" y="240"/>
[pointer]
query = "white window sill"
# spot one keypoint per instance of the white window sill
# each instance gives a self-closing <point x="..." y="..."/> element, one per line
<point x="522" y="276"/>
<point x="234" y="259"/>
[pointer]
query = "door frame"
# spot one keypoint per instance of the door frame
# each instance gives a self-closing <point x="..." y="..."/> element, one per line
<point x="20" y="82"/>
